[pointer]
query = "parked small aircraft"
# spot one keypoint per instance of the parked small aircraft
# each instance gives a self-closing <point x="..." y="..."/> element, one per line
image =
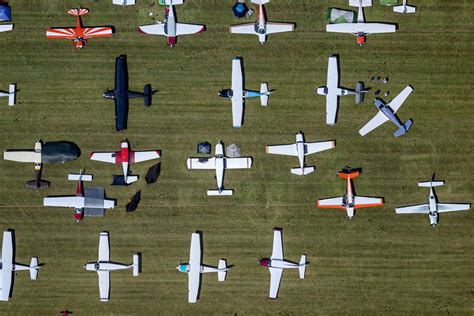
<point x="300" y="149"/>
<point x="9" y="266"/>
<point x="86" y="202"/>
<point x="170" y="27"/>
<point x="104" y="265"/>
<point x="220" y="163"/>
<point x="433" y="207"/>
<point x="404" y="8"/>
<point x="237" y="93"/>
<point x="332" y="91"/>
<point x="387" y="113"/>
<point x="121" y="94"/>
<point x="195" y="267"/>
<point x="125" y="157"/>
<point x="361" y="28"/>
<point x="276" y="263"/>
<point x="349" y="202"/>
<point x="262" y="28"/>
<point x="11" y="94"/>
<point x="79" y="34"/>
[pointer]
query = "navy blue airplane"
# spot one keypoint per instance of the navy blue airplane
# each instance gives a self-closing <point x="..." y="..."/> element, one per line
<point x="121" y="94"/>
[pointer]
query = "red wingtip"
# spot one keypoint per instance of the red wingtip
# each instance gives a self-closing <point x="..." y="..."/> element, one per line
<point x="203" y="29"/>
<point x="158" y="152"/>
<point x="91" y="154"/>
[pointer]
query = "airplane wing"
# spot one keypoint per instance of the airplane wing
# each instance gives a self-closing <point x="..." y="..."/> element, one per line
<point x="397" y="102"/>
<point x="274" y="27"/>
<point x="331" y="98"/>
<point x="277" y="251"/>
<point x="366" y="28"/>
<point x="7" y="259"/>
<point x="6" y="284"/>
<point x="375" y="122"/>
<point x="413" y="209"/>
<point x="452" y="207"/>
<point x="312" y="148"/>
<point x="104" y="157"/>
<point x="153" y="29"/>
<point x="64" y="201"/>
<point x="275" y="278"/>
<point x="238" y="163"/>
<point x="6" y="27"/>
<point x="104" y="247"/>
<point x="140" y="156"/>
<point x="22" y="156"/>
<point x="104" y="285"/>
<point x="61" y="32"/>
<point x="287" y="150"/>
<point x="201" y="163"/>
<point x="98" y="31"/>
<point x="331" y="203"/>
<point x="184" y="29"/>
<point x="7" y="248"/>
<point x="243" y="28"/>
<point x="237" y="92"/>
<point x="194" y="274"/>
<point x="364" y="201"/>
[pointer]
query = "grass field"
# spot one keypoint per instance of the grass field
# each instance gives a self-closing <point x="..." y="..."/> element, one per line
<point x="377" y="263"/>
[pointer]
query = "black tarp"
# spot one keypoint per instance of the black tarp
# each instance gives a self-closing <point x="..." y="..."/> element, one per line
<point x="133" y="204"/>
<point x="60" y="151"/>
<point x="153" y="173"/>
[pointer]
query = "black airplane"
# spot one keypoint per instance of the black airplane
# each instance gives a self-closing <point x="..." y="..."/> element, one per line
<point x="121" y="94"/>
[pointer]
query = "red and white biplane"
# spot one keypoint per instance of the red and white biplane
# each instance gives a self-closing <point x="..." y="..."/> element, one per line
<point x="79" y="34"/>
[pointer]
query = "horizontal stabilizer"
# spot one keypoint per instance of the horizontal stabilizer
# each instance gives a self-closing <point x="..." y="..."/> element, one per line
<point x="34" y="184"/>
<point x="351" y="175"/>
<point x="6" y="27"/>
<point x="78" y="176"/>
<point x="222" y="270"/>
<point x="264" y="93"/>
<point x="174" y="2"/>
<point x="403" y="129"/>
<point x="12" y="94"/>
<point x="260" y="1"/>
<point x="147" y="93"/>
<point x="217" y="192"/>
<point x="78" y="11"/>
<point x="428" y="184"/>
<point x="302" y="266"/>
<point x="120" y="180"/>
<point x="360" y="90"/>
<point x="136" y="265"/>
<point x="123" y="2"/>
<point x="302" y="171"/>
<point x="363" y="3"/>
<point x="34" y="266"/>
<point x="404" y="9"/>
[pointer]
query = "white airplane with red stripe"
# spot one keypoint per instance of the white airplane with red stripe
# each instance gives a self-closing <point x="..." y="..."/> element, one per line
<point x="125" y="157"/>
<point x="349" y="202"/>
<point x="262" y="27"/>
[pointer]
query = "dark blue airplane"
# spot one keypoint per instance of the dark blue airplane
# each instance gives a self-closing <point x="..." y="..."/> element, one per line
<point x="121" y="94"/>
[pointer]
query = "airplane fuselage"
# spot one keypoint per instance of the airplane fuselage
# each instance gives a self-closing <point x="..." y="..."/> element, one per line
<point x="433" y="206"/>
<point x="300" y="149"/>
<point x="220" y="161"/>
<point x="170" y="26"/>
<point x="106" y="266"/>
<point x="261" y="25"/>
<point x="348" y="199"/>
<point x="277" y="264"/>
<point x="388" y="112"/>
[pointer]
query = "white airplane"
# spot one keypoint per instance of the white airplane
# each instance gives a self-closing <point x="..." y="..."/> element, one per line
<point x="86" y="202"/>
<point x="404" y="8"/>
<point x="261" y="27"/>
<point x="332" y="91"/>
<point x="361" y="28"/>
<point x="125" y="157"/>
<point x="195" y="267"/>
<point x="123" y="2"/>
<point x="349" y="202"/>
<point x="387" y="113"/>
<point x="103" y="266"/>
<point x="11" y="94"/>
<point x="220" y="163"/>
<point x="276" y="263"/>
<point x="9" y="266"/>
<point x="300" y="149"/>
<point x="170" y="28"/>
<point x="433" y="207"/>
<point x="237" y="93"/>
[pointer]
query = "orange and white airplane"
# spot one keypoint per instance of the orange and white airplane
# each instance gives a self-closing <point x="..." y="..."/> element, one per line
<point x="350" y="202"/>
<point x="79" y="34"/>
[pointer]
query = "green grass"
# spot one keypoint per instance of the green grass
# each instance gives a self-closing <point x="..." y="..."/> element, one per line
<point x="377" y="263"/>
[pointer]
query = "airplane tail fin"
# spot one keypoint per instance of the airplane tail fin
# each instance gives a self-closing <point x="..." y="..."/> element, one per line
<point x="259" y="1"/>
<point x="12" y="94"/>
<point x="351" y="175"/>
<point x="147" y="93"/>
<point x="79" y="176"/>
<point x="41" y="184"/>
<point x="78" y="11"/>
<point x="221" y="192"/>
<point x="222" y="270"/>
<point x="34" y="267"/>
<point x="360" y="90"/>
<point x="136" y="265"/>
<point x="264" y="93"/>
<point x="302" y="171"/>
<point x="404" y="9"/>
<point x="403" y="129"/>
<point x="364" y="3"/>
<point x="429" y="184"/>
<point x="302" y="266"/>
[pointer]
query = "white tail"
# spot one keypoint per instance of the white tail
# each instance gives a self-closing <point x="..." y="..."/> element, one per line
<point x="217" y="193"/>
<point x="79" y="176"/>
<point x="34" y="268"/>
<point x="404" y="9"/>
<point x="302" y="266"/>
<point x="264" y="93"/>
<point x="222" y="270"/>
<point x="363" y="3"/>
<point x="12" y="94"/>
<point x="136" y="265"/>
<point x="302" y="172"/>
<point x="428" y="184"/>
<point x="260" y="1"/>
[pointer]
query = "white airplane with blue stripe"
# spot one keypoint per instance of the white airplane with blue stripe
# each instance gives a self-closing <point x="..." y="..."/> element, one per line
<point x="237" y="93"/>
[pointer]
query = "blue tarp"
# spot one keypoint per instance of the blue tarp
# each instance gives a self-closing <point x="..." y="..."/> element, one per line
<point x="5" y="12"/>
